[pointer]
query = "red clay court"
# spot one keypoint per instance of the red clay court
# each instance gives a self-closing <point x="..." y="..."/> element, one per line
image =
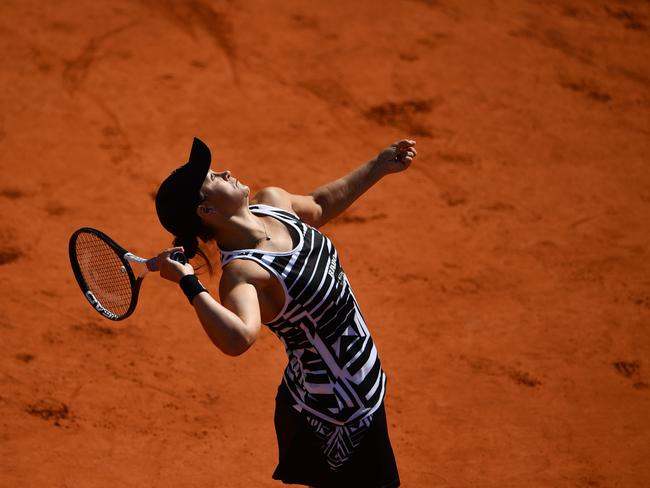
<point x="508" y="292"/>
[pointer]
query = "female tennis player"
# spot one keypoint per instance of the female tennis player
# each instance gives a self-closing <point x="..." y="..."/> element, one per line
<point x="280" y="270"/>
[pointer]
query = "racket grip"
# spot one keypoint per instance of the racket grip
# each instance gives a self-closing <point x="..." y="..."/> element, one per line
<point x="152" y="264"/>
<point x="179" y="257"/>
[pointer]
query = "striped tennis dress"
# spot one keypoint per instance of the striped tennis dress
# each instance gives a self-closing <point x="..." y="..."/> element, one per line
<point x="334" y="374"/>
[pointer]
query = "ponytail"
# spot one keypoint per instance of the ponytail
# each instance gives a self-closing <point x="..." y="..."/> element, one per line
<point x="190" y="245"/>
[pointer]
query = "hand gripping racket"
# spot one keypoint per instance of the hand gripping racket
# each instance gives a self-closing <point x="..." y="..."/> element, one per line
<point x="104" y="274"/>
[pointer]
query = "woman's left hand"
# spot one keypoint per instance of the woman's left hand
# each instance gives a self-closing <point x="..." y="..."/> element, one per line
<point x="396" y="157"/>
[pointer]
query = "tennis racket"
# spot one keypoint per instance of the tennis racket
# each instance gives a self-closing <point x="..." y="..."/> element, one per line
<point x="104" y="273"/>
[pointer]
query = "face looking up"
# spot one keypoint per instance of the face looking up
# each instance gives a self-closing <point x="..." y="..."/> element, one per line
<point x="223" y="193"/>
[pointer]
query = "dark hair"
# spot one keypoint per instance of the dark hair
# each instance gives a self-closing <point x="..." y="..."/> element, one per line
<point x="190" y="243"/>
<point x="191" y="246"/>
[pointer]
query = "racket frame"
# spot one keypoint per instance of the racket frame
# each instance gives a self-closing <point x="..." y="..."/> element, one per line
<point x="124" y="256"/>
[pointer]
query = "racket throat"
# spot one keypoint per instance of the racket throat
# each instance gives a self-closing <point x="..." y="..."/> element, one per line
<point x="149" y="264"/>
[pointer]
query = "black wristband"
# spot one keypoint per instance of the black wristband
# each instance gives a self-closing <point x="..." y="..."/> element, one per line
<point x="191" y="286"/>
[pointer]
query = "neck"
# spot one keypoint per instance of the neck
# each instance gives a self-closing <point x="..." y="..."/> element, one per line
<point x="241" y="230"/>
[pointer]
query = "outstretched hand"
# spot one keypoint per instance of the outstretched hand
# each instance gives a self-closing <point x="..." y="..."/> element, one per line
<point x="396" y="157"/>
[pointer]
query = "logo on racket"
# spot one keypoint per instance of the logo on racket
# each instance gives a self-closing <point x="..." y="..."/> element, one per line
<point x="98" y="306"/>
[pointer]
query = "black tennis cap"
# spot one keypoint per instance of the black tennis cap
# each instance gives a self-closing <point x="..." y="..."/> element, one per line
<point x="179" y="195"/>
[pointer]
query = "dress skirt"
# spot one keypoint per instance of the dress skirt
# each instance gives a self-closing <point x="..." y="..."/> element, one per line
<point x="305" y="452"/>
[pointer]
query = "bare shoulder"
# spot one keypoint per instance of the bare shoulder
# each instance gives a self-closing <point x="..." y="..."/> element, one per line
<point x="274" y="196"/>
<point x="303" y="206"/>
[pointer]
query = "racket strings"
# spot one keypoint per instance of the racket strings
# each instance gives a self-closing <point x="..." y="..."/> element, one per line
<point x="104" y="273"/>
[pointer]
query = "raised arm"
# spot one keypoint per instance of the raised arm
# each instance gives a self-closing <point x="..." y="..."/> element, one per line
<point x="232" y="325"/>
<point x="329" y="200"/>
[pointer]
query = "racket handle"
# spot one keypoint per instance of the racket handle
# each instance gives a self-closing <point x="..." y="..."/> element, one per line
<point x="178" y="256"/>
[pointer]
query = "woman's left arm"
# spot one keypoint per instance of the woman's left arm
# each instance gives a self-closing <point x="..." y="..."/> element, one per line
<point x="329" y="200"/>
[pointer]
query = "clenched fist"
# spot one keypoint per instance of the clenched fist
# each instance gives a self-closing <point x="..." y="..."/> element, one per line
<point x="396" y="157"/>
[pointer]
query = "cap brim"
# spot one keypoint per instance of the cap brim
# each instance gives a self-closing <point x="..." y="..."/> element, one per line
<point x="179" y="194"/>
<point x="200" y="154"/>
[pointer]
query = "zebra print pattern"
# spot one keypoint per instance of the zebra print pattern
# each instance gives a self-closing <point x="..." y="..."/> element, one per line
<point x="339" y="441"/>
<point x="334" y="373"/>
